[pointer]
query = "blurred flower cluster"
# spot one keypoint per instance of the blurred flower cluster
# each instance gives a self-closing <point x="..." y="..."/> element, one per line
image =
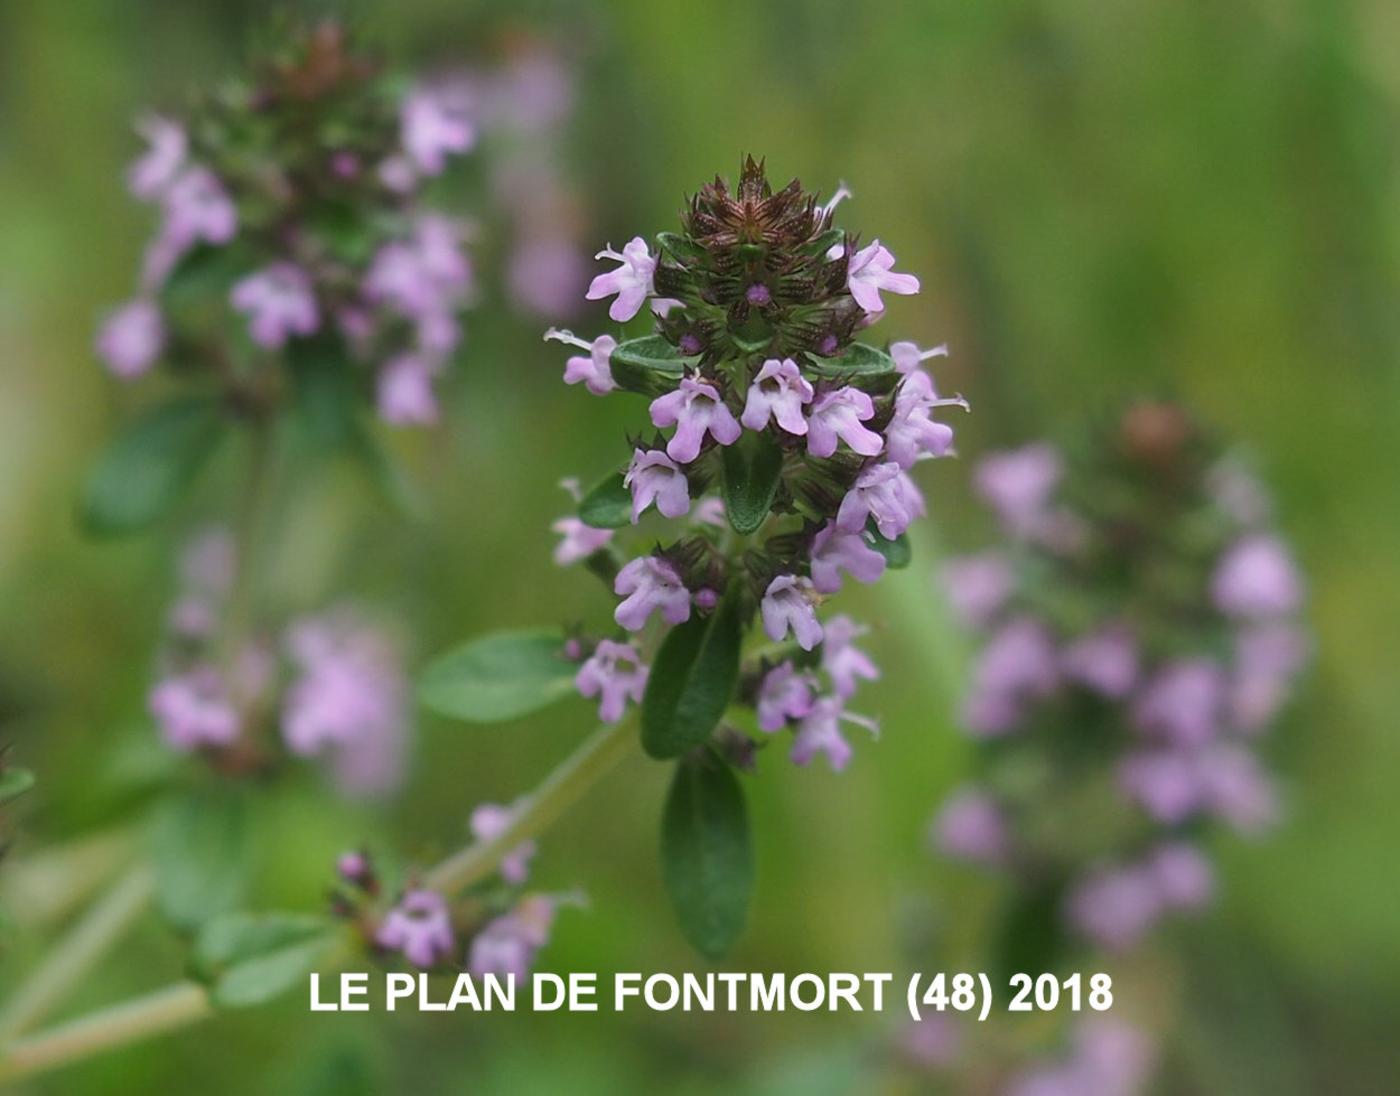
<point x="332" y="687"/>
<point x="293" y="231"/>
<point x="784" y="444"/>
<point x="1141" y="632"/>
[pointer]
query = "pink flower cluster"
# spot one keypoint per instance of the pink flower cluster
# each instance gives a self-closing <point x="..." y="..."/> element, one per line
<point x="424" y="929"/>
<point x="1166" y="654"/>
<point x="386" y="302"/>
<point x="845" y="442"/>
<point x="338" y="693"/>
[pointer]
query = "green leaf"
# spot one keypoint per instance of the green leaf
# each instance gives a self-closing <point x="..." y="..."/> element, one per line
<point x="706" y="854"/>
<point x="753" y="471"/>
<point x="325" y="388"/>
<point x="202" y="852"/>
<point x="248" y="959"/>
<point x="498" y="677"/>
<point x="14" y="783"/>
<point x="684" y="251"/>
<point x="145" y="471"/>
<point x="649" y="365"/>
<point x="866" y="366"/>
<point x="387" y="475"/>
<point x="897" y="552"/>
<point x="825" y="242"/>
<point x="692" y="680"/>
<point x="608" y="505"/>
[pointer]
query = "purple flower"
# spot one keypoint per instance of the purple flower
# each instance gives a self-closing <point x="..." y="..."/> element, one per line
<point x="424" y="278"/>
<point x="1166" y="783"/>
<point x="348" y="701"/>
<point x="694" y="409"/>
<point x="838" y="414"/>
<point x="819" y="731"/>
<point x="1108" y="1059"/>
<point x="971" y="827"/>
<point x="544" y="276"/>
<point x="433" y="126"/>
<point x="978" y="586"/>
<point x="279" y="301"/>
<point x="209" y="562"/>
<point x="1236" y="788"/>
<point x="580" y="540"/>
<point x="932" y="1041"/>
<point x="131" y="338"/>
<point x="1105" y="661"/>
<point x="1183" y="876"/>
<point x="834" y="551"/>
<point x="194" y="709"/>
<point x="1017" y="664"/>
<point x="871" y="269"/>
<point x="880" y="492"/>
<point x="786" y="693"/>
<point x="615" y="673"/>
<point x="907" y="355"/>
<point x="1115" y="908"/>
<point x="507" y="945"/>
<point x="711" y="511"/>
<point x="404" y="393"/>
<point x="158" y="166"/>
<point x="1019" y="484"/>
<point x="593" y="372"/>
<point x="787" y="604"/>
<point x="354" y="867"/>
<point x="650" y="583"/>
<point x="631" y="281"/>
<point x="842" y="660"/>
<point x="488" y="822"/>
<point x="196" y="207"/>
<point x="656" y="478"/>
<point x="1257" y="578"/>
<point x="911" y="433"/>
<point x="419" y="927"/>
<point x="1182" y="703"/>
<point x="780" y="391"/>
<point x="1266" y="659"/>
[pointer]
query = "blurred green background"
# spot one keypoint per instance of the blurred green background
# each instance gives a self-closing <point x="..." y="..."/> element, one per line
<point x="1176" y="196"/>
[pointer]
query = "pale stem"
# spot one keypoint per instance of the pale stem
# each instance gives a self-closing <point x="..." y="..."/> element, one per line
<point x="86" y="943"/>
<point x="42" y="888"/>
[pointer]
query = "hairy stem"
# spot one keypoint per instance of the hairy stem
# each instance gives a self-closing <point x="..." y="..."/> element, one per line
<point x="185" y="1003"/>
<point x="85" y="944"/>
<point x="166" y="1009"/>
<point x="573" y="776"/>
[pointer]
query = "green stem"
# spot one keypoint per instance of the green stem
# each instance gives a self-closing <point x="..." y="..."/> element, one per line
<point x="166" y="1009"/>
<point x="563" y="787"/>
<point x="46" y="886"/>
<point x="84" y="945"/>
<point x="254" y="508"/>
<point x="185" y="1003"/>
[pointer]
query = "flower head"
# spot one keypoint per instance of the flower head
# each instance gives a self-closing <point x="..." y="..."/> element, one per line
<point x="434" y="126"/>
<point x="488" y="822"/>
<point x="843" y="662"/>
<point x="655" y="478"/>
<point x="778" y="392"/>
<point x="132" y="338"/>
<point x="835" y="550"/>
<point x="871" y="270"/>
<point x="787" y="606"/>
<point x="279" y="301"/>
<point x="614" y="673"/>
<point x="694" y="409"/>
<point x="1257" y="578"/>
<point x="838" y="415"/>
<point x="419" y="927"/>
<point x="786" y="693"/>
<point x="881" y="492"/>
<point x="157" y="168"/>
<point x="593" y="371"/>
<point x="650" y="584"/>
<point x="507" y="945"/>
<point x="819" y="732"/>
<point x="195" y="710"/>
<point x="631" y="281"/>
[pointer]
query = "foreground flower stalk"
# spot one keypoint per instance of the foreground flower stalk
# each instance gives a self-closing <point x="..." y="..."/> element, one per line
<point x="776" y="468"/>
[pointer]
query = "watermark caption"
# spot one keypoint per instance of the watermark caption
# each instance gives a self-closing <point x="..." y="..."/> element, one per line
<point x="715" y="991"/>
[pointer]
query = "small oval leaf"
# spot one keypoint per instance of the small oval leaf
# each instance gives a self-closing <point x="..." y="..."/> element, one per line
<point x="144" y="472"/>
<point x="608" y="505"/>
<point x="753" y="471"/>
<point x="498" y="677"/>
<point x="691" y="681"/>
<point x="248" y="959"/>
<point x="706" y="854"/>
<point x="897" y="552"/>
<point x="202" y="849"/>
<point x="14" y="783"/>
<point x="649" y="365"/>
<point x="865" y="366"/>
